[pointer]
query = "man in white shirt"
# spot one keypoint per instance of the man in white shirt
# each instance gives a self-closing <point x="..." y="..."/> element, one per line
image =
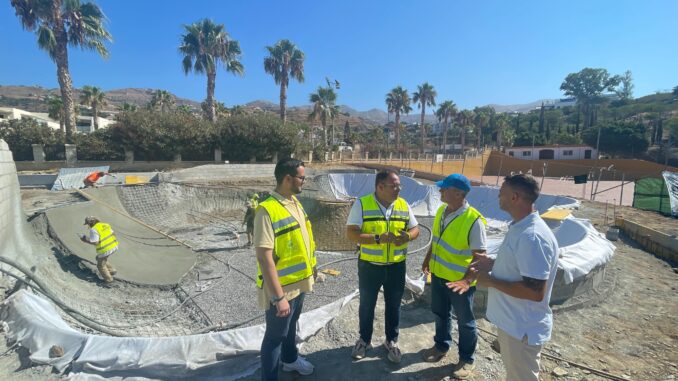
<point x="520" y="280"/>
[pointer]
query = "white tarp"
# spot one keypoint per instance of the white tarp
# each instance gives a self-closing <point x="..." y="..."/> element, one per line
<point x="232" y="354"/>
<point x="671" y="179"/>
<point x="425" y="199"/>
<point x="581" y="248"/>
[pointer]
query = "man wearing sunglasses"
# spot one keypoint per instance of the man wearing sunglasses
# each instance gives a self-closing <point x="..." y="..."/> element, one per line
<point x="382" y="224"/>
<point x="286" y="261"/>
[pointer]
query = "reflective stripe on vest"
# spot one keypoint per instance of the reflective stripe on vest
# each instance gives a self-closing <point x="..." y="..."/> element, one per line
<point x="107" y="240"/>
<point x="374" y="222"/>
<point x="292" y="262"/>
<point x="450" y="249"/>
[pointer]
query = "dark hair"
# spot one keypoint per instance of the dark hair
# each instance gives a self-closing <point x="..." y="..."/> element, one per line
<point x="286" y="166"/>
<point x="525" y="185"/>
<point x="383" y="175"/>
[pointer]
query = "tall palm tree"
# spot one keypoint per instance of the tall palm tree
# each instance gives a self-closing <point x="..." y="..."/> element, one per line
<point x="464" y="118"/>
<point x="93" y="96"/>
<point x="324" y="107"/>
<point x="503" y="122"/>
<point x="482" y="118"/>
<point x="59" y="23"/>
<point x="55" y="109"/>
<point x="398" y="101"/>
<point x="424" y="96"/>
<point x="161" y="100"/>
<point x="445" y="111"/>
<point x="205" y="45"/>
<point x="284" y="60"/>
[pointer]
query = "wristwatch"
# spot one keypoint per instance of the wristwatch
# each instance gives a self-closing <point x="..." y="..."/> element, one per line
<point x="376" y="239"/>
<point x="275" y="299"/>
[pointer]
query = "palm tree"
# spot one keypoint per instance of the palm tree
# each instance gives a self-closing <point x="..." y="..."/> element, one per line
<point x="503" y="122"/>
<point x="424" y="96"/>
<point x="58" y="24"/>
<point x="285" y="60"/>
<point x="93" y="96"/>
<point x="482" y="118"/>
<point x="55" y="109"/>
<point x="445" y="111"/>
<point x="324" y="107"/>
<point x="398" y="101"/>
<point x="161" y="100"/>
<point x="464" y="119"/>
<point x="204" y="46"/>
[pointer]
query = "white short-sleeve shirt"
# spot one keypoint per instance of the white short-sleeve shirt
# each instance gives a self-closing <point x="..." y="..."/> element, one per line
<point x="355" y="216"/>
<point x="529" y="250"/>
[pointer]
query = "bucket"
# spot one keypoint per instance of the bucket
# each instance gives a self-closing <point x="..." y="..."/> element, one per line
<point x="612" y="234"/>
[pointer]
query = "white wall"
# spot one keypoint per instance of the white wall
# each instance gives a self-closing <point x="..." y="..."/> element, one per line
<point x="558" y="152"/>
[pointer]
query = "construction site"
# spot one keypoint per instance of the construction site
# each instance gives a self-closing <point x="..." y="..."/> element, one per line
<point x="184" y="304"/>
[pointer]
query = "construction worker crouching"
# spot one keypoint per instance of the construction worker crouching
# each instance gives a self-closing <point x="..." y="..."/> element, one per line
<point x="102" y="236"/>
<point x="93" y="177"/>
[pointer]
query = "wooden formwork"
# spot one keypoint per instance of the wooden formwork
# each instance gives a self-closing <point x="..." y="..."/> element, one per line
<point x="656" y="242"/>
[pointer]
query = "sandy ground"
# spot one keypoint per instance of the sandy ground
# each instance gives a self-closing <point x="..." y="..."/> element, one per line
<point x="626" y="328"/>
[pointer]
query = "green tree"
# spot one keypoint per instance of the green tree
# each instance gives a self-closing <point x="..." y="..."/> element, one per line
<point x="424" y="96"/>
<point x="398" y="102"/>
<point x="127" y="107"/>
<point x="675" y="91"/>
<point x="58" y="24"/>
<point x="482" y="118"/>
<point x="205" y="45"/>
<point x="284" y="60"/>
<point x="465" y="119"/>
<point x="625" y="90"/>
<point x="445" y="112"/>
<point x="55" y="109"/>
<point x="587" y="86"/>
<point x="93" y="97"/>
<point x="324" y="108"/>
<point x="619" y="138"/>
<point x="162" y="101"/>
<point x="672" y="126"/>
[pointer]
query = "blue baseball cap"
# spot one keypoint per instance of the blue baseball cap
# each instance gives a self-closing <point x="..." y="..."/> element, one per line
<point x="455" y="180"/>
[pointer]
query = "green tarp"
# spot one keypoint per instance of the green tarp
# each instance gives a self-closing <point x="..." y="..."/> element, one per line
<point x="651" y="194"/>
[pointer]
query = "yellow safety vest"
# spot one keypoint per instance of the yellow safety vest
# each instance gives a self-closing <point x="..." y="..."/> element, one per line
<point x="107" y="240"/>
<point x="374" y="222"/>
<point x="450" y="250"/>
<point x="292" y="261"/>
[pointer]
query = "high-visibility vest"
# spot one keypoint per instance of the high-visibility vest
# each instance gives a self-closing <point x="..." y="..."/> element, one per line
<point x="292" y="262"/>
<point x="374" y="222"/>
<point x="450" y="250"/>
<point x="93" y="177"/>
<point x="107" y="240"/>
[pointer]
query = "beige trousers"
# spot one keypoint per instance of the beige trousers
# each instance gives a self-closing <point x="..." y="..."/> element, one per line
<point x="105" y="269"/>
<point x="521" y="360"/>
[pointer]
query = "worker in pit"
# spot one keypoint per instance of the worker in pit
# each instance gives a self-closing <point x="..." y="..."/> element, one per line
<point x="102" y="236"/>
<point x="251" y="208"/>
<point x="93" y="177"/>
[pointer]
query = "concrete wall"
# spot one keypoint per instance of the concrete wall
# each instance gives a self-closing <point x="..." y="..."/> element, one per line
<point x="116" y="166"/>
<point x="14" y="241"/>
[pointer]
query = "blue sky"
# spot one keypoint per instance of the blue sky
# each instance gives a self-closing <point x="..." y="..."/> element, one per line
<point x="473" y="52"/>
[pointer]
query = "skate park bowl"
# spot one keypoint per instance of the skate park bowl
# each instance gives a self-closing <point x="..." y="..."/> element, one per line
<point x="199" y="317"/>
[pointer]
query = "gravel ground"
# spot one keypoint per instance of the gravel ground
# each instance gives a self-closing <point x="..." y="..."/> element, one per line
<point x="626" y="329"/>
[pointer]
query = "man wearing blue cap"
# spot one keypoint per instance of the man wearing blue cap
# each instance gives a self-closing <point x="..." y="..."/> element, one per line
<point x="458" y="234"/>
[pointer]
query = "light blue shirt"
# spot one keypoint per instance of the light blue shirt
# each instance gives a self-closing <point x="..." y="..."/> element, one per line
<point x="529" y="250"/>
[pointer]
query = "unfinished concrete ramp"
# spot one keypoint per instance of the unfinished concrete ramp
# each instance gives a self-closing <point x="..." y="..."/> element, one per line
<point x="145" y="256"/>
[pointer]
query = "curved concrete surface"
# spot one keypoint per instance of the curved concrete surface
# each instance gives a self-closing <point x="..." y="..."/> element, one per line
<point x="145" y="256"/>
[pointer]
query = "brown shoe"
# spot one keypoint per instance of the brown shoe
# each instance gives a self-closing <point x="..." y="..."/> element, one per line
<point x="433" y="354"/>
<point x="463" y="370"/>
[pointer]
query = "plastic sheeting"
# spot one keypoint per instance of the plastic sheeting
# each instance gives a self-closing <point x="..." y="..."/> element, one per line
<point x="228" y="355"/>
<point x="581" y="248"/>
<point x="671" y="180"/>
<point x="425" y="199"/>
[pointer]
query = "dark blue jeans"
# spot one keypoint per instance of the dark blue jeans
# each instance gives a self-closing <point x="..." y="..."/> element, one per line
<point x="443" y="300"/>
<point x="281" y="332"/>
<point x="370" y="279"/>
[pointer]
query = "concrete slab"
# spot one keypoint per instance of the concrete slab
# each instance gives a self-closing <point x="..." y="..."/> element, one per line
<point x="145" y="256"/>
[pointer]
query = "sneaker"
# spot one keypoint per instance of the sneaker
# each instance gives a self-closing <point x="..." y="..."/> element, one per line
<point x="463" y="370"/>
<point x="301" y="366"/>
<point x="433" y="354"/>
<point x="359" y="349"/>
<point x="394" y="354"/>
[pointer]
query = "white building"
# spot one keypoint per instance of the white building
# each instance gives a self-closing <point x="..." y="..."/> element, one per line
<point x="83" y="123"/>
<point x="553" y="152"/>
